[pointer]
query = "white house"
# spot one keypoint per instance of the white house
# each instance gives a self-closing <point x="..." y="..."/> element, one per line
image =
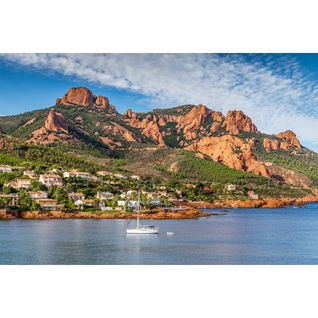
<point x="76" y="174"/>
<point x="38" y="195"/>
<point x="251" y="194"/>
<point x="135" y="177"/>
<point x="130" y="204"/>
<point x="88" y="203"/>
<point x="51" y="180"/>
<point x="230" y="187"/>
<point x="104" y="195"/>
<point x="5" y="168"/>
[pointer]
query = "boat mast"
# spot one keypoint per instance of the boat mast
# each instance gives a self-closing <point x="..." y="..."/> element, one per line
<point x="138" y="209"/>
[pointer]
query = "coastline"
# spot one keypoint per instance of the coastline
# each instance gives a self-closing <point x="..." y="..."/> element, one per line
<point x="159" y="214"/>
<point x="269" y="203"/>
<point x="191" y="210"/>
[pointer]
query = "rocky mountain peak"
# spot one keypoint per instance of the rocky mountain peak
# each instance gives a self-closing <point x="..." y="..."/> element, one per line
<point x="82" y="96"/>
<point x="236" y="121"/>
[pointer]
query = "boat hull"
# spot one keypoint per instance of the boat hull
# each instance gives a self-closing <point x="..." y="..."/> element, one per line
<point x="143" y="231"/>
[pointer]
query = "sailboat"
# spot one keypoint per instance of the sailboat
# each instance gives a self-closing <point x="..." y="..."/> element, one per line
<point x="142" y="229"/>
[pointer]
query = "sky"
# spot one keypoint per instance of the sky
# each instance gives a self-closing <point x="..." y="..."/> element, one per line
<point x="278" y="91"/>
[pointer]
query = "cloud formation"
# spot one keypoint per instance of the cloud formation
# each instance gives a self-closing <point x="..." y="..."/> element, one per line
<point x="273" y="90"/>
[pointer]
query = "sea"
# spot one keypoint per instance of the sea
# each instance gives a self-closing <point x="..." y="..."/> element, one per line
<point x="234" y="236"/>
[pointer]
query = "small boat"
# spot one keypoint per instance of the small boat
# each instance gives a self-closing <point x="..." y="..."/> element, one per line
<point x="170" y="233"/>
<point x="142" y="229"/>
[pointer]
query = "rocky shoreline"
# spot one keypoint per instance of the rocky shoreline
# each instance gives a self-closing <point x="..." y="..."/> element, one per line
<point x="159" y="214"/>
<point x="270" y="203"/>
<point x="193" y="210"/>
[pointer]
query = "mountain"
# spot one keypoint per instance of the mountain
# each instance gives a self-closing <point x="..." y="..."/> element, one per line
<point x="81" y="119"/>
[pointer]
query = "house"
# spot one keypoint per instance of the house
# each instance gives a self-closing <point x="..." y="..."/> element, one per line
<point x="109" y="208"/>
<point x="29" y="173"/>
<point x="251" y="194"/>
<point x="87" y="203"/>
<point x="76" y="196"/>
<point x="5" y="168"/>
<point x="19" y="184"/>
<point x="10" y="200"/>
<point x="104" y="173"/>
<point x="119" y="176"/>
<point x="130" y="204"/>
<point x="104" y="195"/>
<point x="155" y="202"/>
<point x="134" y="177"/>
<point x="24" y="183"/>
<point x="76" y="174"/>
<point x="51" y="180"/>
<point x="230" y="187"/>
<point x="49" y="204"/>
<point x="38" y="195"/>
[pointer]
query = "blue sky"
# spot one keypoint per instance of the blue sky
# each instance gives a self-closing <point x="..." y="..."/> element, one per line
<point x="279" y="91"/>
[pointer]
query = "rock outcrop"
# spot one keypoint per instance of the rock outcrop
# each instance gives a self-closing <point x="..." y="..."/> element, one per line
<point x="289" y="140"/>
<point x="236" y="121"/>
<point x="232" y="152"/>
<point x="102" y="101"/>
<point x="288" y="176"/>
<point x="119" y="130"/>
<point x="270" y="144"/>
<point x="82" y="96"/>
<point x="193" y="120"/>
<point x="148" y="125"/>
<point x="55" y="122"/>
<point x="55" y="129"/>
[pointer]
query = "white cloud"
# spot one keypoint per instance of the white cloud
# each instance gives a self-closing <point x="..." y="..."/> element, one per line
<point x="275" y="92"/>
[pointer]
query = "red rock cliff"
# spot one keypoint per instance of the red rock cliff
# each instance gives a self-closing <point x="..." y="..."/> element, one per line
<point x="289" y="139"/>
<point x="82" y="96"/>
<point x="237" y="121"/>
<point x="232" y="152"/>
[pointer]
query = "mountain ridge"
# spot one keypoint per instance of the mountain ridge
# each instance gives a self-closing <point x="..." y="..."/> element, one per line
<point x="80" y="117"/>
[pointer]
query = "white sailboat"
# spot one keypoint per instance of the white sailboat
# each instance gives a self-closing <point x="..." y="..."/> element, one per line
<point x="142" y="229"/>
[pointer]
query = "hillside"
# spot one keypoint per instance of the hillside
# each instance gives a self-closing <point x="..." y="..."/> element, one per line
<point x="198" y="144"/>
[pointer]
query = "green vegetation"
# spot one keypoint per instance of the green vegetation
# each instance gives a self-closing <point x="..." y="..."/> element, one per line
<point x="306" y="162"/>
<point x="41" y="158"/>
<point x="194" y="168"/>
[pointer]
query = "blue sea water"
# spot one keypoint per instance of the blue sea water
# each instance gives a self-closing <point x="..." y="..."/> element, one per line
<point x="242" y="236"/>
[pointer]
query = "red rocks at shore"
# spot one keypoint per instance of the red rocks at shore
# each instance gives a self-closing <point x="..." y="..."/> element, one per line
<point x="159" y="214"/>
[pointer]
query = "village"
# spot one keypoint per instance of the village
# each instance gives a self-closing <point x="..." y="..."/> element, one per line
<point x="73" y="190"/>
